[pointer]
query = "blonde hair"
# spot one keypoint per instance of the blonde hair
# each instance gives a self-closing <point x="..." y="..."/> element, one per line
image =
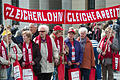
<point x="108" y="29"/>
<point x="28" y="34"/>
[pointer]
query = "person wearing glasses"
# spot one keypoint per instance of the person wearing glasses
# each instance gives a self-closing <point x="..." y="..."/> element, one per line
<point x="49" y="52"/>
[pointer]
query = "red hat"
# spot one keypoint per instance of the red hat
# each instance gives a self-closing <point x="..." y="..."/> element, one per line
<point x="57" y="27"/>
<point x="71" y="30"/>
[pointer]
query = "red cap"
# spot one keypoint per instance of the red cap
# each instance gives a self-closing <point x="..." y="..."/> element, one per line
<point x="71" y="30"/>
<point x="57" y="27"/>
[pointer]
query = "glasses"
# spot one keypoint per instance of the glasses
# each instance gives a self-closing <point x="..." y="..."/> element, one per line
<point x="41" y="31"/>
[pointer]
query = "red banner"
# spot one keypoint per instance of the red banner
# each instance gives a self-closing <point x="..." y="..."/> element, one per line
<point x="89" y="16"/>
<point x="33" y="16"/>
<point x="60" y="16"/>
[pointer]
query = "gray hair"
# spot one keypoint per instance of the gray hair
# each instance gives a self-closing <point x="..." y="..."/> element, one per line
<point x="83" y="29"/>
<point x="45" y="27"/>
<point x="35" y="25"/>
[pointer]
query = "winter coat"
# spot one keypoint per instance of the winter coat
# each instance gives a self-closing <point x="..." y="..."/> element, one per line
<point x="88" y="55"/>
<point x="36" y="58"/>
<point x="3" y="72"/>
<point x="47" y="67"/>
<point x="78" y="52"/>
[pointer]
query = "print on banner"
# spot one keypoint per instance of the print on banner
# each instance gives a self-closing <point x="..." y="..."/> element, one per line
<point x="116" y="63"/>
<point x="75" y="75"/>
<point x="60" y="16"/>
<point x="27" y="74"/>
<point x="16" y="72"/>
<point x="33" y="16"/>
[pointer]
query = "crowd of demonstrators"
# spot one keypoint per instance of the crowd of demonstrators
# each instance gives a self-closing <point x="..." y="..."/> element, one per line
<point x="8" y="50"/>
<point x="47" y="51"/>
<point x="88" y="61"/>
<point x="106" y="46"/>
<point x="74" y="58"/>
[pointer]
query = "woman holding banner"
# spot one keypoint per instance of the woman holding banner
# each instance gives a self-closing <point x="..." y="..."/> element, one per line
<point x="106" y="46"/>
<point x="8" y="56"/>
<point x="31" y="57"/>
<point x="74" y="58"/>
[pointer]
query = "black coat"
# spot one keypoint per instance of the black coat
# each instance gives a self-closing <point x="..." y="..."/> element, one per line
<point x="36" y="58"/>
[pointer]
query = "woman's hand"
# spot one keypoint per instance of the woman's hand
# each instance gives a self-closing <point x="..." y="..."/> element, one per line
<point x="69" y="63"/>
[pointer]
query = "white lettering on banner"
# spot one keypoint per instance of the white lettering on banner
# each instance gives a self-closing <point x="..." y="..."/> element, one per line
<point x="114" y="12"/>
<point x="21" y="14"/>
<point x="7" y="8"/>
<point x="74" y="20"/>
<point x="11" y="13"/>
<point x="60" y="16"/>
<point x="25" y="12"/>
<point x="80" y="17"/>
<point x="117" y="11"/>
<point x="103" y="14"/>
<point x="84" y="17"/>
<point x="89" y="16"/>
<point x="44" y="19"/>
<point x="68" y="17"/>
<point x="55" y="16"/>
<point x="107" y="14"/>
<point x="18" y="13"/>
<point x="93" y="15"/>
<point x="49" y="16"/>
<point x="34" y="16"/>
<point x="110" y="10"/>
<point x="39" y="16"/>
<point x="77" y="17"/>
<point x="98" y="15"/>
<point x="30" y="15"/>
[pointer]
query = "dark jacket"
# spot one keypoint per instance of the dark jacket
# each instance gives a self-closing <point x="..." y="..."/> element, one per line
<point x="36" y="58"/>
<point x="35" y="34"/>
<point x="78" y="52"/>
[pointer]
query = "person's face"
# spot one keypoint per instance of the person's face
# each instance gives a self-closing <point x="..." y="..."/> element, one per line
<point x="60" y="33"/>
<point x="108" y="33"/>
<point x="33" y="28"/>
<point x="25" y="38"/>
<point x="83" y="35"/>
<point x="42" y="33"/>
<point x="71" y="35"/>
<point x="9" y="38"/>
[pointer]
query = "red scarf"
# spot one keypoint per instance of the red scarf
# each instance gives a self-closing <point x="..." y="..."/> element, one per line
<point x="103" y="45"/>
<point x="60" y="39"/>
<point x="4" y="54"/>
<point x="49" y="46"/>
<point x="27" y="53"/>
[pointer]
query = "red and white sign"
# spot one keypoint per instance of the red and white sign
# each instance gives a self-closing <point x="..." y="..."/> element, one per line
<point x="60" y="16"/>
<point x="33" y="16"/>
<point x="88" y="16"/>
